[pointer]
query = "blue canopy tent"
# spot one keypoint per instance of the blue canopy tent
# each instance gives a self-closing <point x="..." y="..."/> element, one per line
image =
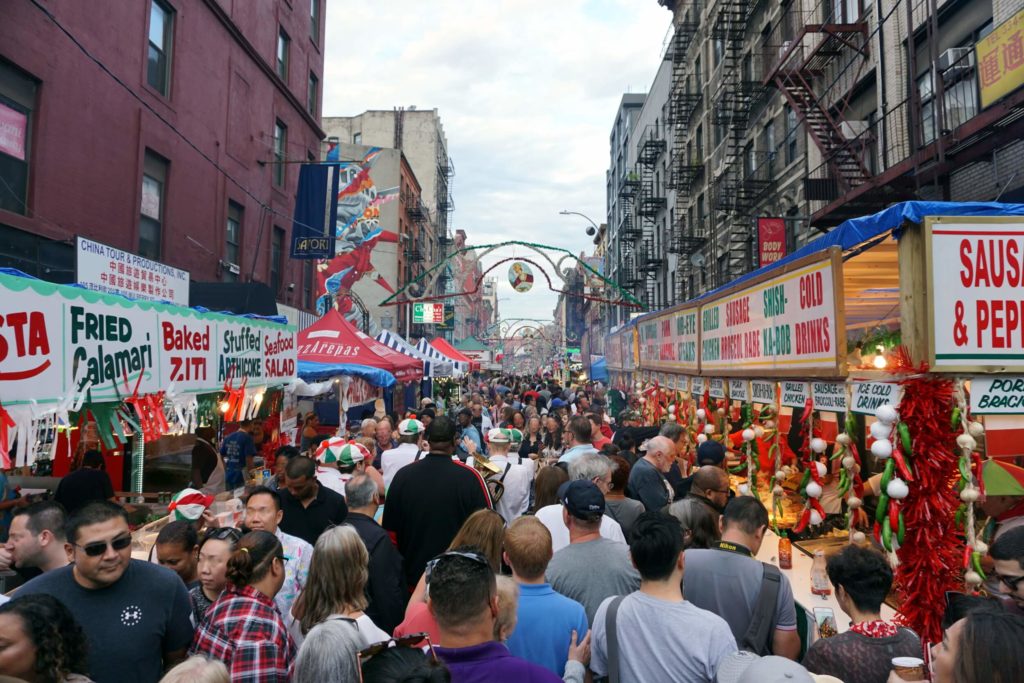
<point x="598" y="369"/>
<point x="311" y="371"/>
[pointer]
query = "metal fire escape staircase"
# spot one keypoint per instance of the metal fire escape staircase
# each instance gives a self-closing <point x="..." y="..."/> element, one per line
<point x="806" y="44"/>
<point x="649" y="203"/>
<point x="685" y="166"/>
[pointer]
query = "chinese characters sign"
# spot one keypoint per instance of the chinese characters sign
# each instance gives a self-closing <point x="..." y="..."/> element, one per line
<point x="55" y="340"/>
<point x="786" y="325"/>
<point x="669" y="341"/>
<point x="1000" y="59"/>
<point x="976" y="273"/>
<point x="112" y="271"/>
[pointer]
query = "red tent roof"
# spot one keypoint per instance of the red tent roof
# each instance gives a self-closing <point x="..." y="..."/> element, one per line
<point x="447" y="349"/>
<point x="332" y="339"/>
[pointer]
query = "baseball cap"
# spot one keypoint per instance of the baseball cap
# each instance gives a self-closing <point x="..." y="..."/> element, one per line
<point x="498" y="436"/>
<point x="188" y="505"/>
<point x="557" y="403"/>
<point x="746" y="667"/>
<point x="582" y="499"/>
<point x="515" y="434"/>
<point x="410" y="427"/>
<point x="710" y="453"/>
<point x="426" y="401"/>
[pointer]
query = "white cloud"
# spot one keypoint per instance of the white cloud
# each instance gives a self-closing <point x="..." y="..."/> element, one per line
<point x="527" y="91"/>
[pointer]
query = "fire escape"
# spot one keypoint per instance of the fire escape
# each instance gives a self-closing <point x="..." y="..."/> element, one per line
<point x="629" y="231"/>
<point x="686" y="238"/>
<point x="649" y="203"/>
<point x="807" y="46"/>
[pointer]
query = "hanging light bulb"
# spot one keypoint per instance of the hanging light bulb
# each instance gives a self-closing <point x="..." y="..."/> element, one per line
<point x="880" y="362"/>
<point x="258" y="398"/>
<point x="224" y="406"/>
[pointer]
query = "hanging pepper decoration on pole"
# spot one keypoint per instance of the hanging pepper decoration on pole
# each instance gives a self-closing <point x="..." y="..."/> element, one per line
<point x="970" y="487"/>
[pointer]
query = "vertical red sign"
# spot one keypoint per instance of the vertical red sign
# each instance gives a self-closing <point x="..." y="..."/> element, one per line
<point x="771" y="240"/>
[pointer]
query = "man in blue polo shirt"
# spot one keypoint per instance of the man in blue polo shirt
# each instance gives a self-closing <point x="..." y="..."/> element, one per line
<point x="239" y="451"/>
<point x="547" y="620"/>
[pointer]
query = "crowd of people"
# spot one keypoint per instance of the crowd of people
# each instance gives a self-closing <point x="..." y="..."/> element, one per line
<point x="525" y="532"/>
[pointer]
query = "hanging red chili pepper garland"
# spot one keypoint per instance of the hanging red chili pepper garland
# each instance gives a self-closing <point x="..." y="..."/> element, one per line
<point x="930" y="557"/>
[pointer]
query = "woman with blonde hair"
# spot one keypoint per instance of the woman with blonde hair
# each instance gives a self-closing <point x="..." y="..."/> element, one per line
<point x="198" y="670"/>
<point x="336" y="585"/>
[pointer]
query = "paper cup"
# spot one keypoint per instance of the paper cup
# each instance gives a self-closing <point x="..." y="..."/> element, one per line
<point x="909" y="668"/>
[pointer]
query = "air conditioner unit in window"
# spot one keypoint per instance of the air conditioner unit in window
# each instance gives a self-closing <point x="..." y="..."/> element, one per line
<point x="956" y="60"/>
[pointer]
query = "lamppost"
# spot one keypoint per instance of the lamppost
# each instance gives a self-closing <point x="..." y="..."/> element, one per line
<point x="591" y="231"/>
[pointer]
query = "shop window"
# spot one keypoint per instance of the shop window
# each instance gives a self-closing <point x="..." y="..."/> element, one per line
<point x="152" y="209"/>
<point x="17" y="103"/>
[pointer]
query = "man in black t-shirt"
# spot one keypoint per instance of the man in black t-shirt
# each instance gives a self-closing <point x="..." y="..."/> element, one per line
<point x="309" y="508"/>
<point x="88" y="483"/>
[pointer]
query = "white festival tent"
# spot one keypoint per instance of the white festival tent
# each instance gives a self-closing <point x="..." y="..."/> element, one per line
<point x="428" y="351"/>
<point x="432" y="366"/>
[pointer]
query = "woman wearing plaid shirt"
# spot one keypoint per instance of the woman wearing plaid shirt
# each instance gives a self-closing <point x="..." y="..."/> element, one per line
<point x="243" y="629"/>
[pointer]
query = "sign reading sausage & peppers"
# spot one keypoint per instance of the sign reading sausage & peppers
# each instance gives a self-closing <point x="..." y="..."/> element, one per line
<point x="975" y="280"/>
<point x="786" y="325"/>
<point x="56" y="340"/>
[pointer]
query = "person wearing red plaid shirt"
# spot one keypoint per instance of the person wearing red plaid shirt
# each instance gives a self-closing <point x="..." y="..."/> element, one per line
<point x="243" y="628"/>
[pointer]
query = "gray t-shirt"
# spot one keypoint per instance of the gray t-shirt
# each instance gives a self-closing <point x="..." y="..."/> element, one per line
<point x="690" y="642"/>
<point x="592" y="571"/>
<point x="728" y="583"/>
<point x="625" y="511"/>
<point x="129" y="625"/>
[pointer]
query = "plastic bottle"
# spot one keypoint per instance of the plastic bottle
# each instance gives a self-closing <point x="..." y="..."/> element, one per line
<point x="819" y="576"/>
<point x="785" y="552"/>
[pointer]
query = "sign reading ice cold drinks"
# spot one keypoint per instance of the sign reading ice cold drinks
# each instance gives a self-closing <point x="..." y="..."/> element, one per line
<point x="976" y="272"/>
<point x="669" y="341"/>
<point x="786" y="325"/>
<point x="51" y="336"/>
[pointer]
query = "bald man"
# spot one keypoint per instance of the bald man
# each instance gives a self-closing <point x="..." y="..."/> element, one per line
<point x="711" y="487"/>
<point x="647" y="482"/>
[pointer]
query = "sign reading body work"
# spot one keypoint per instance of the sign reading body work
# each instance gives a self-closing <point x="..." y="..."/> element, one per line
<point x="103" y="268"/>
<point x="975" y="280"/>
<point x="787" y="325"/>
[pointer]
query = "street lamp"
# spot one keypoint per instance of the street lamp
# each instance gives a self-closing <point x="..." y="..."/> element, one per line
<point x="591" y="231"/>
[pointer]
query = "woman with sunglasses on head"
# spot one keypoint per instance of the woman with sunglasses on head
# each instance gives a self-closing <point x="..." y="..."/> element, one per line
<point x="215" y="550"/>
<point x="336" y="586"/>
<point x="243" y="628"/>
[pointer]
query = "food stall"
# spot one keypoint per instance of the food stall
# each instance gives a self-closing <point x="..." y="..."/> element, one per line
<point x="132" y="378"/>
<point x="850" y="379"/>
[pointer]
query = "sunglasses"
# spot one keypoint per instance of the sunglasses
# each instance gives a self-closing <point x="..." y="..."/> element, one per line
<point x="1010" y="581"/>
<point x="99" y="547"/>
<point x="476" y="557"/>
<point x="411" y="640"/>
<point x="223" y="533"/>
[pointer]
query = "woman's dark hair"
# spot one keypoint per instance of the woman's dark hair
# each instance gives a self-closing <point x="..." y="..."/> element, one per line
<point x="252" y="557"/>
<point x="625" y="442"/>
<point x="864" y="574"/>
<point x="620" y="473"/>
<point x="60" y="643"/>
<point x="404" y="665"/>
<point x="546" y="488"/>
<point x="990" y="650"/>
<point x="698" y="522"/>
<point x="959" y="605"/>
<point x="94" y="459"/>
<point x="553" y="440"/>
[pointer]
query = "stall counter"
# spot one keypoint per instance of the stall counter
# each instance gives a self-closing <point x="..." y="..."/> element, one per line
<point x="800" y="579"/>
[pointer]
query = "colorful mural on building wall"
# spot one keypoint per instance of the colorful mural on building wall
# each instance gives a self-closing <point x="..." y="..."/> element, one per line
<point x="359" y="231"/>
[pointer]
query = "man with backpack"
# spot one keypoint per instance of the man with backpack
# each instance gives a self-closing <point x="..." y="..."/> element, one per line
<point x="754" y="598"/>
<point x="510" y="486"/>
<point x="654" y="634"/>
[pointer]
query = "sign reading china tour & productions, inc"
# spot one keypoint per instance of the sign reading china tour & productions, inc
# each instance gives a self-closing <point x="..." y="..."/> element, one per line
<point x="975" y="277"/>
<point x="103" y="268"/>
<point x="788" y="324"/>
<point x="669" y="341"/>
<point x="56" y="340"/>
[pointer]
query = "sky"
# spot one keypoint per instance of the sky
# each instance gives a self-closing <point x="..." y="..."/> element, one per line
<point x="527" y="91"/>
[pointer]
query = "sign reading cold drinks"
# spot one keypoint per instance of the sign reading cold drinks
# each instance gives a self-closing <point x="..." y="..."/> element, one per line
<point x="976" y="272"/>
<point x="786" y="325"/>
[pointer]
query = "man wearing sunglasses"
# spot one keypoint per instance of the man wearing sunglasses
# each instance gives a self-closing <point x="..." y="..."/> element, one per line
<point x="1008" y="557"/>
<point x="135" y="614"/>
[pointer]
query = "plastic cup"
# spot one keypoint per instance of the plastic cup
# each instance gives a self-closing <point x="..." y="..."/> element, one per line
<point x="909" y="668"/>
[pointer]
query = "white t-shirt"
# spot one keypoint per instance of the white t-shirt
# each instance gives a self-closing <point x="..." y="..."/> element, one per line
<point x="515" y="501"/>
<point x="332" y="479"/>
<point x="551" y="517"/>
<point x="395" y="459"/>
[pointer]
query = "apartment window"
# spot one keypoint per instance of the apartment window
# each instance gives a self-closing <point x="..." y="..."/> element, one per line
<point x="791" y="135"/>
<point x="846" y="11"/>
<point x="283" y="44"/>
<point x="357" y="138"/>
<point x="769" y="137"/>
<point x="926" y="91"/>
<point x="158" y="66"/>
<point x="311" y="95"/>
<point x="17" y="101"/>
<point x="276" y="259"/>
<point x="700" y="143"/>
<point x="152" y="210"/>
<point x="280" y="145"/>
<point x="719" y="51"/>
<point x="314" y="20"/>
<point x="233" y="243"/>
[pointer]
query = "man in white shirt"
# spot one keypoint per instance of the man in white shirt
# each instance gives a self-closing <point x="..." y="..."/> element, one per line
<point x="409" y="434"/>
<point x="516" y="478"/>
<point x="338" y="461"/>
<point x="595" y="468"/>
